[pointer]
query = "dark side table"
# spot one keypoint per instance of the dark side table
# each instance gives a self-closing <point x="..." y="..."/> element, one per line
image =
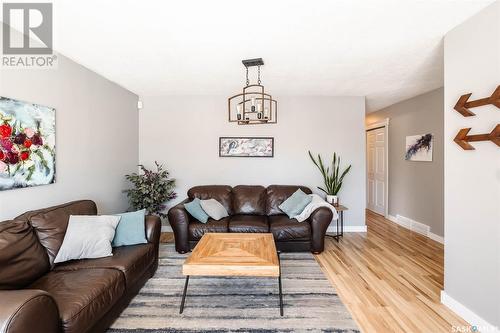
<point x="340" y="221"/>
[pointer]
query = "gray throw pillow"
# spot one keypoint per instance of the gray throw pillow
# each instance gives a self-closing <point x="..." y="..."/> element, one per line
<point x="295" y="204"/>
<point x="214" y="209"/>
<point x="194" y="208"/>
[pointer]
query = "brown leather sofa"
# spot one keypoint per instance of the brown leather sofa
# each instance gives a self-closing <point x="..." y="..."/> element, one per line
<point x="77" y="296"/>
<point x="251" y="209"/>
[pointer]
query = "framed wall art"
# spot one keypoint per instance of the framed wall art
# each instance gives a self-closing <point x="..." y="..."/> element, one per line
<point x="246" y="147"/>
<point x="419" y="147"/>
<point x="27" y="144"/>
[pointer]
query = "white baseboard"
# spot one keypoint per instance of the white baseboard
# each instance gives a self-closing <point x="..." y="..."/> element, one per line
<point x="415" y="226"/>
<point x="347" y="228"/>
<point x="469" y="316"/>
<point x="392" y="218"/>
<point x="435" y="237"/>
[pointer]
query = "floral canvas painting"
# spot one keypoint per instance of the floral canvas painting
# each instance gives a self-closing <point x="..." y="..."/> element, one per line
<point x="246" y="147"/>
<point x="27" y="144"/>
<point x="419" y="147"/>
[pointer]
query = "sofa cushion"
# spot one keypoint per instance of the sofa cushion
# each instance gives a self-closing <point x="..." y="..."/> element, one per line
<point x="133" y="261"/>
<point x="295" y="204"/>
<point x="284" y="228"/>
<point x="249" y="199"/>
<point x="221" y="193"/>
<point x="248" y="223"/>
<point x="214" y="209"/>
<point x="22" y="258"/>
<point x="50" y="223"/>
<point x="195" y="210"/>
<point x="276" y="194"/>
<point x="82" y="296"/>
<point x="88" y="237"/>
<point x="197" y="229"/>
<point x="130" y="230"/>
<point x="88" y="204"/>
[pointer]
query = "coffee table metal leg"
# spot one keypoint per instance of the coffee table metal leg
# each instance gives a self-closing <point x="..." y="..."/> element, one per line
<point x="281" y="296"/>
<point x="279" y="285"/>
<point x="184" y="294"/>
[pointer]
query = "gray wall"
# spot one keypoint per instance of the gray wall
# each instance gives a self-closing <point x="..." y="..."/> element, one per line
<point x="472" y="178"/>
<point x="183" y="132"/>
<point x="415" y="188"/>
<point x="96" y="136"/>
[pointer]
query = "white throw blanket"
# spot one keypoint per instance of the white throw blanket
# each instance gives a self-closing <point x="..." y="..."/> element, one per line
<point x="315" y="203"/>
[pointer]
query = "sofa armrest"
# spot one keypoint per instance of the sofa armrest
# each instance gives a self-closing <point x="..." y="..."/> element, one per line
<point x="153" y="228"/>
<point x="152" y="224"/>
<point x="320" y="220"/>
<point x="28" y="310"/>
<point x="178" y="218"/>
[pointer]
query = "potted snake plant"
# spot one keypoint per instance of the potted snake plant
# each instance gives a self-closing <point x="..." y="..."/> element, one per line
<point x="332" y="177"/>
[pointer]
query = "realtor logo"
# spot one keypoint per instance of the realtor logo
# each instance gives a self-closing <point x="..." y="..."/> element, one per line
<point x="30" y="43"/>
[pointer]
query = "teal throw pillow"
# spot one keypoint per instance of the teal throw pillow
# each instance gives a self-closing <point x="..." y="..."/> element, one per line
<point x="295" y="204"/>
<point x="130" y="230"/>
<point x="194" y="208"/>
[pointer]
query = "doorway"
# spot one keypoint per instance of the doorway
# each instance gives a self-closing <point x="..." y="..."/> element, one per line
<point x="377" y="168"/>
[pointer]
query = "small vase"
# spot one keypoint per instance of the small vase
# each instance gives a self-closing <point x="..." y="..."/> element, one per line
<point x="332" y="199"/>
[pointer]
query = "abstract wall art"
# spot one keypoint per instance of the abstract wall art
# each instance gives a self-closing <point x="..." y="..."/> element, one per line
<point x="27" y="144"/>
<point x="419" y="147"/>
<point x="246" y="147"/>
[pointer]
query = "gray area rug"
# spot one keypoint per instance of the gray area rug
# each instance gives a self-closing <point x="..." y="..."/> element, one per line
<point x="237" y="304"/>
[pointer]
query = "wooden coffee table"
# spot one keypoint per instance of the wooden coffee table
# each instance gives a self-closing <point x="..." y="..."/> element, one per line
<point x="234" y="254"/>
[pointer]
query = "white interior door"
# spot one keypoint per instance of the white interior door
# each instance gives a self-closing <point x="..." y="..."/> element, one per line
<point x="376" y="170"/>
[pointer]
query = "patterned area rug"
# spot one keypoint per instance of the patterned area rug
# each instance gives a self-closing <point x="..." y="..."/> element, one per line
<point x="237" y="304"/>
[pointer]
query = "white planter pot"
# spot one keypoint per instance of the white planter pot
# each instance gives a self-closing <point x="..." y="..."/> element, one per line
<point x="332" y="199"/>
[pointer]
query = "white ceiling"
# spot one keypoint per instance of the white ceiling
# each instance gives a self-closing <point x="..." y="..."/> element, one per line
<point x="385" y="50"/>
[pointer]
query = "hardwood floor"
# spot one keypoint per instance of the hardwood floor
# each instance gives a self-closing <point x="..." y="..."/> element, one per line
<point x="389" y="278"/>
<point x="167" y="237"/>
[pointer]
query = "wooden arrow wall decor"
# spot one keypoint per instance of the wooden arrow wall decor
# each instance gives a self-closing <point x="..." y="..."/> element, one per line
<point x="463" y="105"/>
<point x="462" y="139"/>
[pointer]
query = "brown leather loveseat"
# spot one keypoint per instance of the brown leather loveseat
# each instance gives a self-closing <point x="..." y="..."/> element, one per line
<point x="251" y="209"/>
<point x="76" y="296"/>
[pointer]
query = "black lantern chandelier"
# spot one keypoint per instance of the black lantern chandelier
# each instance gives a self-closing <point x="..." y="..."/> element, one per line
<point x="253" y="105"/>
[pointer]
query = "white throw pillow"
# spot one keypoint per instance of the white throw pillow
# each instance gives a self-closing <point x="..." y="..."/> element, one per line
<point x="88" y="236"/>
<point x="214" y="209"/>
<point x="315" y="203"/>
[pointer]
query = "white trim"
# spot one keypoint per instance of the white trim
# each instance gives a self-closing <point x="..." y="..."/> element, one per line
<point x="435" y="237"/>
<point x="392" y="218"/>
<point x="382" y="123"/>
<point x="331" y="228"/>
<point x="467" y="314"/>
<point x="418" y="227"/>
<point x="348" y="228"/>
<point x="385" y="124"/>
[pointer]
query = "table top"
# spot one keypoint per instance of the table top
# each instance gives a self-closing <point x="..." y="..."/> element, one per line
<point x="234" y="254"/>
<point x="340" y="208"/>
